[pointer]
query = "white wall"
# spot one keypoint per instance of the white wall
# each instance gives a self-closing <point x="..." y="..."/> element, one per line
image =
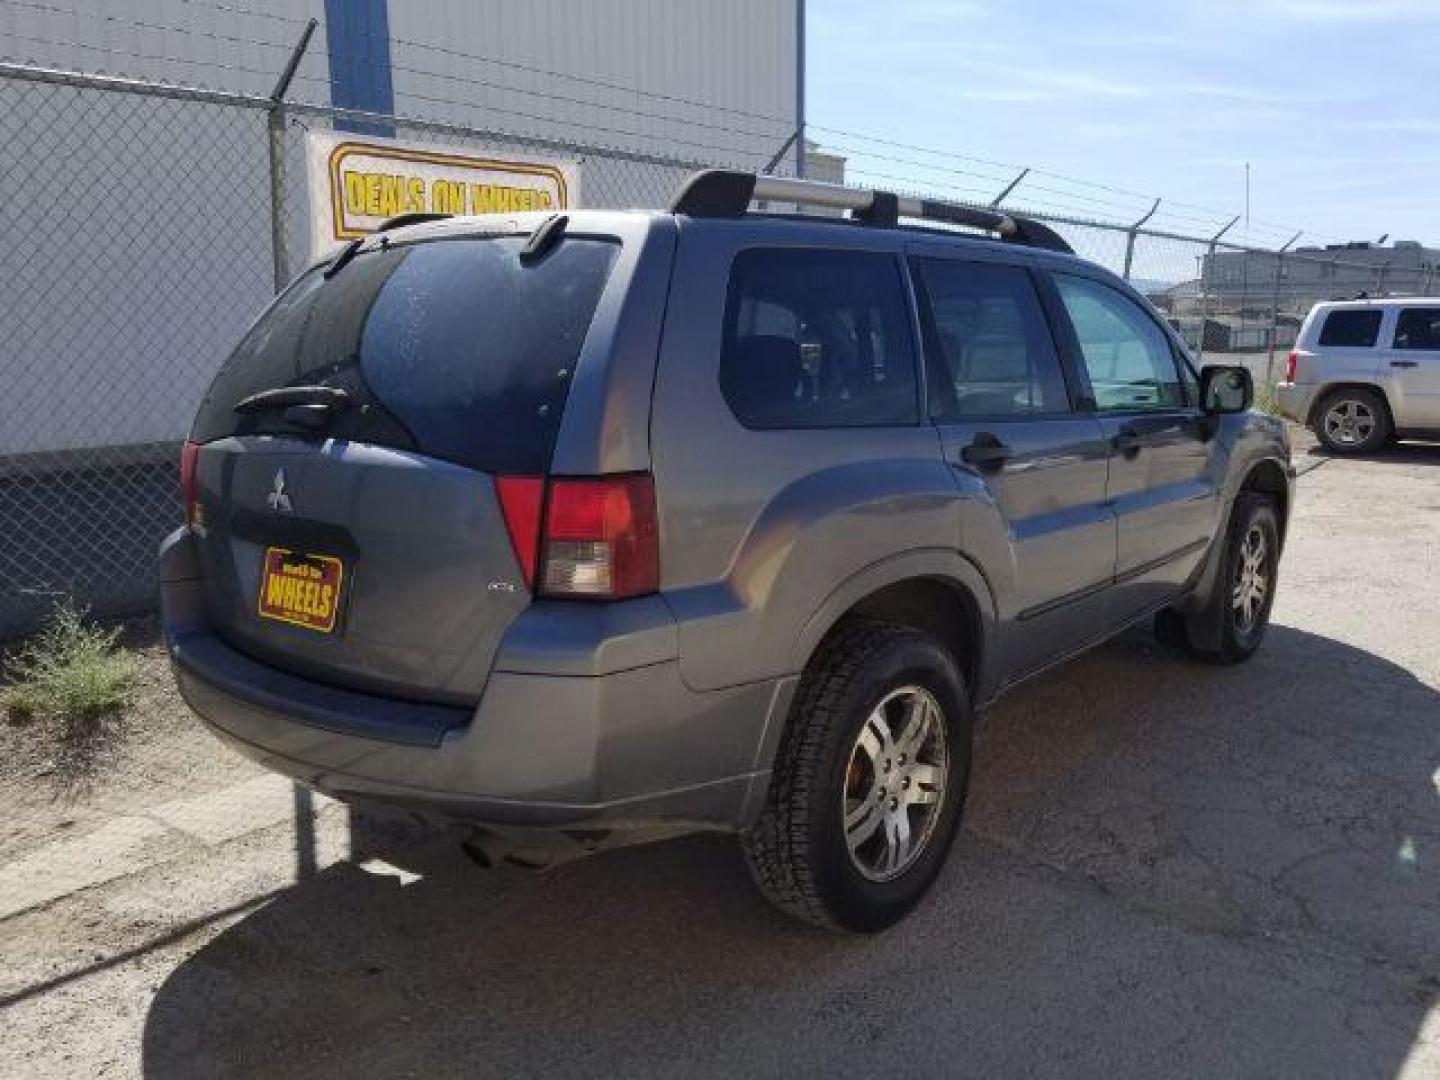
<point x="138" y="248"/>
<point x="737" y="57"/>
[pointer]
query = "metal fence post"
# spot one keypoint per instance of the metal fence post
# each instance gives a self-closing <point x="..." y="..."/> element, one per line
<point x="1206" y="270"/>
<point x="276" y="125"/>
<point x="1275" y="308"/>
<point x="1130" y="237"/>
<point x="1010" y="187"/>
<point x="306" y="863"/>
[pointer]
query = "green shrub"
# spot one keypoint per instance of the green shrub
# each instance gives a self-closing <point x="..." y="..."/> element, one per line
<point x="71" y="673"/>
<point x="1266" y="401"/>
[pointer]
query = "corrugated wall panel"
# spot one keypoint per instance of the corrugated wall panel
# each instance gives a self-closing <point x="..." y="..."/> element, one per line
<point x="691" y="78"/>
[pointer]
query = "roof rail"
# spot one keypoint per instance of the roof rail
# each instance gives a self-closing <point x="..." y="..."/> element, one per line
<point x="728" y="193"/>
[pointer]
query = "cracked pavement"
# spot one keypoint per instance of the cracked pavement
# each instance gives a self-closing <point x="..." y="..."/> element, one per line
<point x="1166" y="869"/>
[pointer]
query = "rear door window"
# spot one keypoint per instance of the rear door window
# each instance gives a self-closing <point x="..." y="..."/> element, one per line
<point x="452" y="348"/>
<point x="1351" y="328"/>
<point x="817" y="338"/>
<point x="1418" y="329"/>
<point x="987" y="343"/>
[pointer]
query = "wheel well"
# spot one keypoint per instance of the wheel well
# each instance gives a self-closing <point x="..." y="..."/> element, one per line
<point x="941" y="608"/>
<point x="1268" y="478"/>
<point x="1331" y="390"/>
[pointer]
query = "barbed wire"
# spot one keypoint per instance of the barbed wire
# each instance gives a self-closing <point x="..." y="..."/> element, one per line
<point x="135" y="54"/>
<point x="1014" y="168"/>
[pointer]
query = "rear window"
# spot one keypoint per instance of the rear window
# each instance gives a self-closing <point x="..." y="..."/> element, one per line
<point x="987" y="332"/>
<point x="454" y="348"/>
<point x="1351" y="327"/>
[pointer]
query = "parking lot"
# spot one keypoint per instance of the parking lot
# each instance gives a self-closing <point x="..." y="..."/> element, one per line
<point x="1166" y="869"/>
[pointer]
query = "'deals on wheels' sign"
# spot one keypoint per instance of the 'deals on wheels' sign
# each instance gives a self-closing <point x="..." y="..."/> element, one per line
<point x="358" y="182"/>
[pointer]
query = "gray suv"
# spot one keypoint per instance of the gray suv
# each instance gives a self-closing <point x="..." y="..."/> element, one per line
<point x="591" y="528"/>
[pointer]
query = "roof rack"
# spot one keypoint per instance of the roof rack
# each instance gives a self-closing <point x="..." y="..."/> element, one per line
<point x="729" y="192"/>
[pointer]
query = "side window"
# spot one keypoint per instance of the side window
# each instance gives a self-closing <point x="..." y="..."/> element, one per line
<point x="1128" y="357"/>
<point x="987" y="335"/>
<point x="1418" y="328"/>
<point x="817" y="338"/>
<point x="1351" y="328"/>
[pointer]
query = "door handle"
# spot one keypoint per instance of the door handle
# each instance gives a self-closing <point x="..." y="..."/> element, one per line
<point x="986" y="451"/>
<point x="1404" y="363"/>
<point x="1126" y="441"/>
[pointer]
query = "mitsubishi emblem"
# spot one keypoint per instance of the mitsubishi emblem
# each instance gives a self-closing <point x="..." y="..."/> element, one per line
<point x="279" y="499"/>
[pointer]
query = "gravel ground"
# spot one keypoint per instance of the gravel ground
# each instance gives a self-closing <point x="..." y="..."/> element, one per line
<point x="1166" y="869"/>
<point x="157" y="753"/>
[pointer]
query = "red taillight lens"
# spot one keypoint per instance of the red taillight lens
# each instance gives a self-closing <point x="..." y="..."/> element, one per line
<point x="520" y="498"/>
<point x="189" y="490"/>
<point x="601" y="538"/>
<point x="1290" y="362"/>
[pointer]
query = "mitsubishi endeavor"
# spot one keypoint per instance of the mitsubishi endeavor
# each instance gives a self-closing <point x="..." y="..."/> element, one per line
<point x="594" y="527"/>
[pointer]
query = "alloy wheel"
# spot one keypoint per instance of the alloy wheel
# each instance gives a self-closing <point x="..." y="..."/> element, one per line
<point x="1252" y="580"/>
<point x="1349" y="422"/>
<point x="895" y="783"/>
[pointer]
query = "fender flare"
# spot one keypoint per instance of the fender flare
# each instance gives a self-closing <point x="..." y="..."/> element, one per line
<point x="944" y="564"/>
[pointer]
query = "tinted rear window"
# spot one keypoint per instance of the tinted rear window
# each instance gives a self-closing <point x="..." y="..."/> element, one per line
<point x="455" y="349"/>
<point x="1357" y="328"/>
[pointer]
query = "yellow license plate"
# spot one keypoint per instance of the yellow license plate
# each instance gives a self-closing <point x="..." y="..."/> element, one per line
<point x="300" y="589"/>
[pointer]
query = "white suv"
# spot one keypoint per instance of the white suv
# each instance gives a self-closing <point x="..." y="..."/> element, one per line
<point x="1366" y="371"/>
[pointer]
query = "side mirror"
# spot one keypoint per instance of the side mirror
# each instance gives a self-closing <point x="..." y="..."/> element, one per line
<point x="1226" y="389"/>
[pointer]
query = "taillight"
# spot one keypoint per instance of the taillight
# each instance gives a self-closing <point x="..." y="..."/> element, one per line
<point x="520" y="498"/>
<point x="189" y="489"/>
<point x="1290" y="362"/>
<point x="600" y="538"/>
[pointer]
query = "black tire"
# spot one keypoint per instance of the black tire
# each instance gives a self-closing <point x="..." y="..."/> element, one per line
<point x="1237" y="637"/>
<point x="1369" y="427"/>
<point x="797" y="850"/>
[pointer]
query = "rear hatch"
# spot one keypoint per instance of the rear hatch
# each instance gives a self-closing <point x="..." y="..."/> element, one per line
<point x="358" y="538"/>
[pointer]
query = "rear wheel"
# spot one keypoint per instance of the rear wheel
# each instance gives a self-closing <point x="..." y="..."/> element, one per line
<point x="869" y="782"/>
<point x="1353" y="421"/>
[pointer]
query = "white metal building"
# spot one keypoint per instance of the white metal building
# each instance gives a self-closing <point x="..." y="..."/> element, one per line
<point x="113" y="343"/>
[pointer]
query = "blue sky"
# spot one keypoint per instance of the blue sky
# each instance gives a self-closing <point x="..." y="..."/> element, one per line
<point x="1335" y="103"/>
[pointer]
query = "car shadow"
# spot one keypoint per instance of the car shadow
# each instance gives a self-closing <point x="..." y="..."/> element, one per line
<point x="1398" y="453"/>
<point x="1165" y="867"/>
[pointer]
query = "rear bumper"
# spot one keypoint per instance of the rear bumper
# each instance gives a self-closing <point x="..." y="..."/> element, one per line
<point x="571" y="727"/>
<point x="1295" y="400"/>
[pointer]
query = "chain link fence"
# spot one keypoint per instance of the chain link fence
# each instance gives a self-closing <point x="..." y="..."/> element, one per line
<point x="146" y="224"/>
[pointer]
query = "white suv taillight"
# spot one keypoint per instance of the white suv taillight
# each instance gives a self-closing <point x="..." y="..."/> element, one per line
<point x="596" y="537"/>
<point x="1290" y="362"/>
